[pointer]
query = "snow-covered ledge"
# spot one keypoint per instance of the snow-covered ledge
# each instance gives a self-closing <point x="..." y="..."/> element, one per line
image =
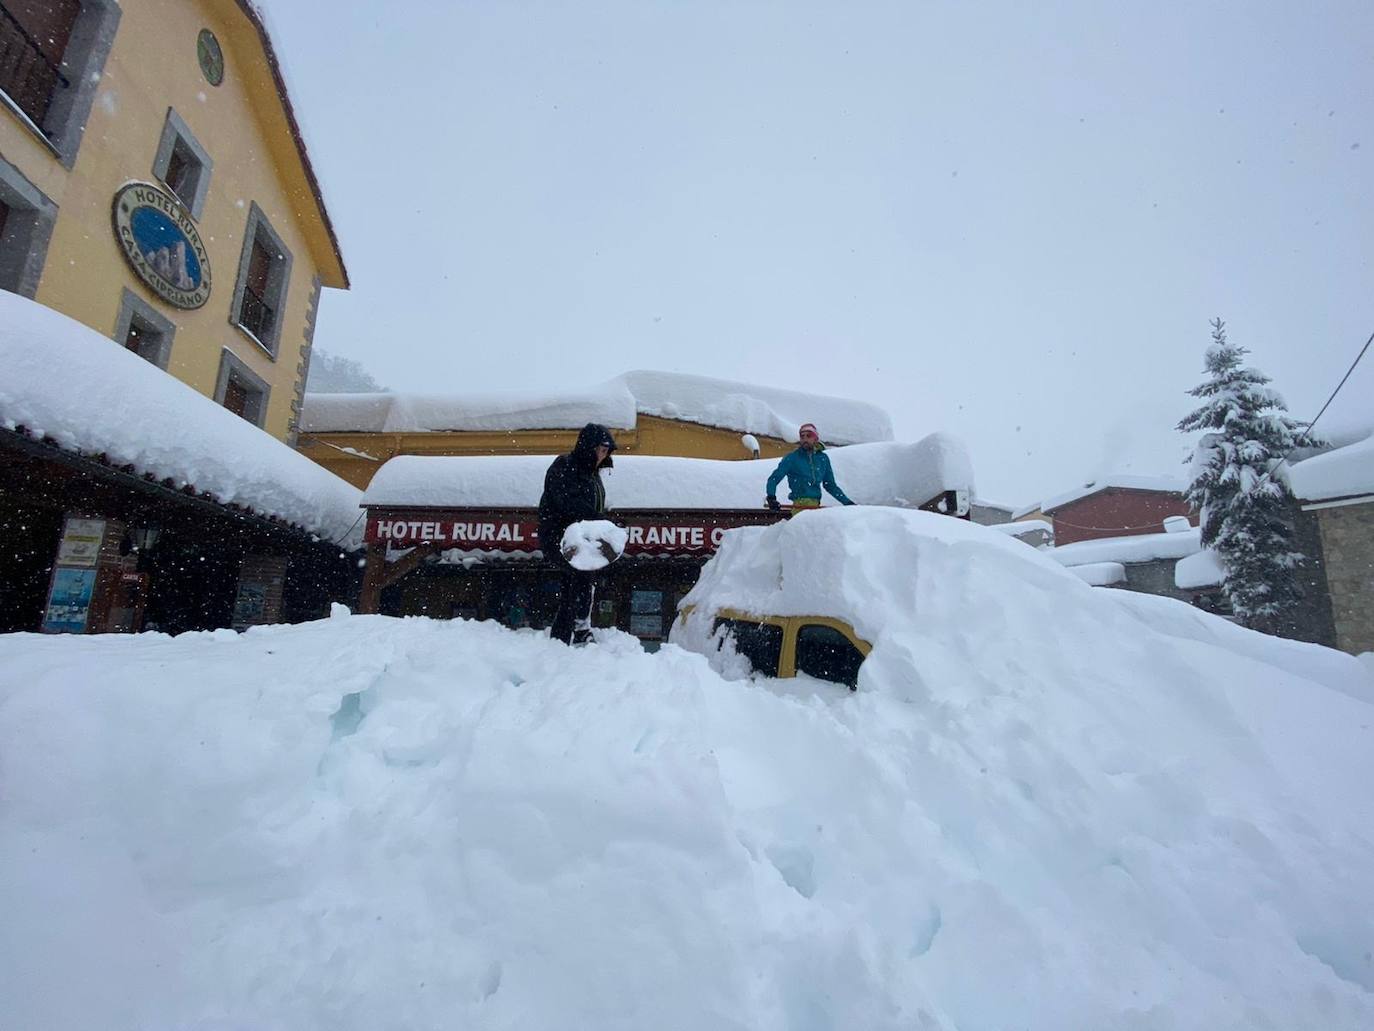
<point x="66" y="384"/>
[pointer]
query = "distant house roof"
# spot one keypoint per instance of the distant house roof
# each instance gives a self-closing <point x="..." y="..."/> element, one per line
<point x="107" y="402"/>
<point x="743" y="407"/>
<point x="1157" y="484"/>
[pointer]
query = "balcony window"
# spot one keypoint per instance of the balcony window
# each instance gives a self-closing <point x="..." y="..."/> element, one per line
<point x="33" y="39"/>
<point x="52" y="54"/>
<point x="260" y="294"/>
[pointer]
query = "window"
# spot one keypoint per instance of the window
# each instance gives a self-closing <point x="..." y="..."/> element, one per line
<point x="825" y="653"/>
<point x="183" y="164"/>
<point x="26" y="220"/>
<point x="760" y="643"/>
<point x="260" y="294"/>
<point x="52" y="53"/>
<point x="144" y="330"/>
<point x="33" y="38"/>
<point x="646" y="613"/>
<point x="241" y="390"/>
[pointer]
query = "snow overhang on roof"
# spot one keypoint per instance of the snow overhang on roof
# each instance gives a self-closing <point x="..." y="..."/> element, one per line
<point x="1141" y="548"/>
<point x="1346" y="471"/>
<point x="903" y="475"/>
<point x="742" y="407"/>
<point x="1156" y="484"/>
<point x="66" y="384"/>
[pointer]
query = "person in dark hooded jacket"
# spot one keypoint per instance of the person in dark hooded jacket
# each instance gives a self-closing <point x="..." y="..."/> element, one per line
<point x="572" y="492"/>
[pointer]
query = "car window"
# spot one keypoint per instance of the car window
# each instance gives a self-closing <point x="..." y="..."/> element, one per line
<point x="825" y="653"/>
<point x="760" y="643"/>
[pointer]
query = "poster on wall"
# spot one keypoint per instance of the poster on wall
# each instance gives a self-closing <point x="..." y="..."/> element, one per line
<point x="69" y="600"/>
<point x="81" y="542"/>
<point x="250" y="604"/>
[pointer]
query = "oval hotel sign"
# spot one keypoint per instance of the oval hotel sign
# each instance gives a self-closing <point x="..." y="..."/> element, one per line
<point x="161" y="242"/>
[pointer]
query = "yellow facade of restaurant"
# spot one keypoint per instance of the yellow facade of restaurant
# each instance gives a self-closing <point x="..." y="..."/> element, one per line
<point x="357" y="456"/>
<point x="135" y="78"/>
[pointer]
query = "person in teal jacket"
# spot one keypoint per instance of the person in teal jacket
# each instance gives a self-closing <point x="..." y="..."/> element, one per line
<point x="807" y="470"/>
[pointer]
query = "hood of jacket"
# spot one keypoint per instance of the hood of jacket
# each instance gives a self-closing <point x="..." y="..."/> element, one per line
<point x="584" y="451"/>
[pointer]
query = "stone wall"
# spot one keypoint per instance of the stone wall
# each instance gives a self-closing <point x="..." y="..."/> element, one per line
<point x="1347" y="538"/>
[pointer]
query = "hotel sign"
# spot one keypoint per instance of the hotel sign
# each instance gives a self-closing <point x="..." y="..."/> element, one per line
<point x="494" y="531"/>
<point x="162" y="245"/>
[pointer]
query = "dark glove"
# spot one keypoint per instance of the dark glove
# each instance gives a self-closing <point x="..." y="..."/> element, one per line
<point x="771" y="503"/>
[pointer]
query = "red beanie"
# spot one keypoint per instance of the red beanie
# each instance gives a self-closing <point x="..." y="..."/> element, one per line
<point x="808" y="426"/>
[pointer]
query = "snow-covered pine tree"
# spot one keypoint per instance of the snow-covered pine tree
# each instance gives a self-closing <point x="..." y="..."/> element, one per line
<point x="1245" y="511"/>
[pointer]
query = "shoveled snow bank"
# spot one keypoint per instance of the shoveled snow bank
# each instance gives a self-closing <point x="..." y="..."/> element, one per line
<point x="871" y="474"/>
<point x="746" y="407"/>
<point x="65" y="381"/>
<point x="1047" y="807"/>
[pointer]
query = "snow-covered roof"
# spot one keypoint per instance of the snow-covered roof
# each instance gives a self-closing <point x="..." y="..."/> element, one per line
<point x="906" y="475"/>
<point x="745" y="407"/>
<point x="1344" y="472"/>
<point x="1142" y="548"/>
<point x="1100" y="574"/>
<point x="1201" y="569"/>
<point x="1170" y="484"/>
<point x="64" y="382"/>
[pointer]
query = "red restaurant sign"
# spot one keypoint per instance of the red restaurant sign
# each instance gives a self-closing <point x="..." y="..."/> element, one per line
<point x="491" y="531"/>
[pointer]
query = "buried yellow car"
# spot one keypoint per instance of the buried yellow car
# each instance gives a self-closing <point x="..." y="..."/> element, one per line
<point x="783" y="646"/>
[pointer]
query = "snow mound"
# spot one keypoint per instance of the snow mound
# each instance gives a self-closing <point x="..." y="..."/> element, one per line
<point x="593" y="544"/>
<point x="1045" y="808"/>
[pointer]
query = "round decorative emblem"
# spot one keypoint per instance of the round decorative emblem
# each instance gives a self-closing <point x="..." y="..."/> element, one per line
<point x="162" y="244"/>
<point x="211" y="57"/>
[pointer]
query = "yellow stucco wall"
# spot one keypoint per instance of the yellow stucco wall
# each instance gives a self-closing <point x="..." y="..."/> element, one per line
<point x="652" y="436"/>
<point x="153" y="66"/>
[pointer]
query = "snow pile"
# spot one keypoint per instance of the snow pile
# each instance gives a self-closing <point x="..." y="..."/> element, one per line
<point x="1145" y="547"/>
<point x="751" y="408"/>
<point x="610" y="405"/>
<point x="1201" y="569"/>
<point x="66" y="382"/>
<point x="1129" y="815"/>
<point x="593" y="544"/>
<point x="1100" y="574"/>
<point x="745" y="407"/>
<point x="906" y="475"/>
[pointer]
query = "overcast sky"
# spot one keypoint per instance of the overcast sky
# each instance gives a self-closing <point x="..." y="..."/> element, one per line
<point x="1008" y="221"/>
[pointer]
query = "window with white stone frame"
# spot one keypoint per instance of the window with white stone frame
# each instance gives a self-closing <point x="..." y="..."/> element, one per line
<point x="183" y="164"/>
<point x="26" y="220"/>
<point x="52" y="55"/>
<point x="141" y="328"/>
<point x="259" y="301"/>
<point x="241" y="390"/>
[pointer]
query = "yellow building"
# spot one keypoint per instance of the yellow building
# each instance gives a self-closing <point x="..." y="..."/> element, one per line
<point x="154" y="185"/>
